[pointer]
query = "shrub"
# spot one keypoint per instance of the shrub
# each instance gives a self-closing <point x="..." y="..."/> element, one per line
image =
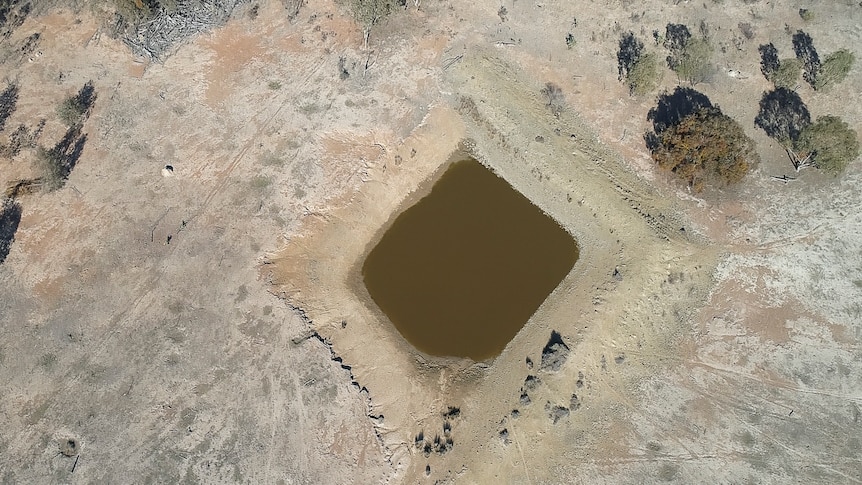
<point x="555" y="98"/>
<point x="834" y="69"/>
<point x="830" y="143"/>
<point x="788" y="73"/>
<point x="644" y="75"/>
<point x="75" y="109"/>
<point x="694" y="65"/>
<point x="636" y="68"/>
<point x="689" y="57"/>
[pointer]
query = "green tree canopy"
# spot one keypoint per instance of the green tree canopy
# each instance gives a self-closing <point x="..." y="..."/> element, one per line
<point x="829" y="142"/>
<point x="834" y="69"/>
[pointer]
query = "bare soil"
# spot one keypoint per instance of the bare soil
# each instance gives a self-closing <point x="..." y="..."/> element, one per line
<point x="206" y="325"/>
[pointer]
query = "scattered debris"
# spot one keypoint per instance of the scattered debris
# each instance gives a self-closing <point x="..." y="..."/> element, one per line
<point x="157" y="37"/>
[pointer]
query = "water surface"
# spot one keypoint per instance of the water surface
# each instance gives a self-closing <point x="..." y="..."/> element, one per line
<point x="462" y="270"/>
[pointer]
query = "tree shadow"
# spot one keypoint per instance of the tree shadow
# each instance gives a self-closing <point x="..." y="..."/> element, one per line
<point x="10" y="217"/>
<point x="59" y="161"/>
<point x="86" y="98"/>
<point x="69" y="149"/>
<point x="673" y="108"/>
<point x="8" y="102"/>
<point x="782" y="115"/>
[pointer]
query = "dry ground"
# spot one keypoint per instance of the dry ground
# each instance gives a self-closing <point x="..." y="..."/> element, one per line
<point x="242" y="349"/>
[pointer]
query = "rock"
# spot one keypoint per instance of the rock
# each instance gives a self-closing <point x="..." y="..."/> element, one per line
<point x="556" y="412"/>
<point x="555" y="353"/>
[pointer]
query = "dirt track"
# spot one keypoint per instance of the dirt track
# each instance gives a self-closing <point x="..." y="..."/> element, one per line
<point x="729" y="350"/>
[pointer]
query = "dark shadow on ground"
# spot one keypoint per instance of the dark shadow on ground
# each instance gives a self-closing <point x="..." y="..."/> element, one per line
<point x="672" y="108"/>
<point x="10" y="217"/>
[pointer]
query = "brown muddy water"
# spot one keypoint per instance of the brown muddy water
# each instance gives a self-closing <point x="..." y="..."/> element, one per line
<point x="461" y="271"/>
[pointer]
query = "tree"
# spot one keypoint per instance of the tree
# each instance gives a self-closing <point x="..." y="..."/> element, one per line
<point x="639" y="70"/>
<point x="675" y="39"/>
<point x="834" y="69"/>
<point x="630" y="51"/>
<point x="829" y="143"/>
<point x="10" y="217"/>
<point x="706" y="147"/>
<point x="369" y="12"/>
<point x="803" y="46"/>
<point x="782" y="115"/>
<point x="689" y="57"/>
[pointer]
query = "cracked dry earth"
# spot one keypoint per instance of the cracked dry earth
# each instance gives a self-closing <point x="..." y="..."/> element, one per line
<point x="211" y="325"/>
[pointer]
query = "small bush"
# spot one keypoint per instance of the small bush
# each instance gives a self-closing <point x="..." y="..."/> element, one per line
<point x="555" y="98"/>
<point x="834" y="69"/>
<point x="830" y="142"/>
<point x="50" y="163"/>
<point x="260" y="182"/>
<point x="274" y="85"/>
